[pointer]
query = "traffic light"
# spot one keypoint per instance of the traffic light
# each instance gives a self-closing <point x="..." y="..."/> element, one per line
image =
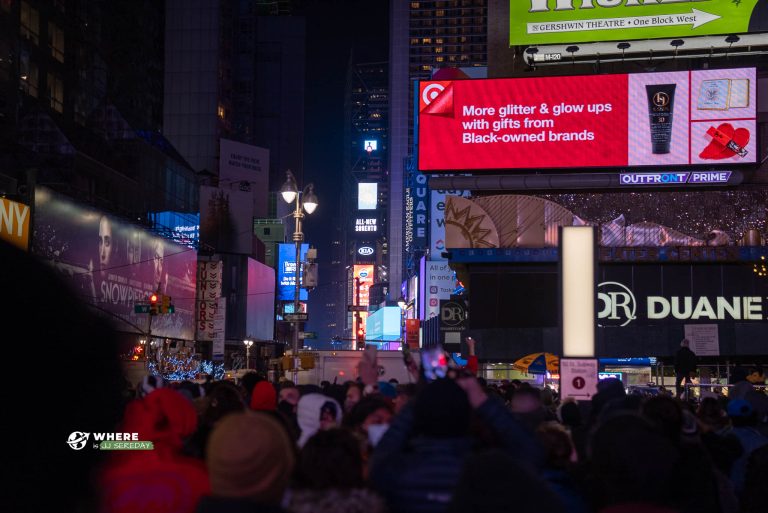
<point x="360" y="336"/>
<point x="166" y="305"/>
<point x="153" y="306"/>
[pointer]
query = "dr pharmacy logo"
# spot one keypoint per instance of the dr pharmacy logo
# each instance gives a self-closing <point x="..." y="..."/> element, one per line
<point x="78" y="440"/>
<point x="618" y="304"/>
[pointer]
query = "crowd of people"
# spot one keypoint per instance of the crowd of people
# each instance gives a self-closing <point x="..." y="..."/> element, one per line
<point x="456" y="444"/>
<point x="453" y="444"/>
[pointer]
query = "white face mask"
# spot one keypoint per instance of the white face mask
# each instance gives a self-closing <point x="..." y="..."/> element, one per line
<point x="375" y="432"/>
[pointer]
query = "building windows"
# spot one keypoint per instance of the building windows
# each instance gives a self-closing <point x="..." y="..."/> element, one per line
<point x="426" y="40"/>
<point x="55" y="92"/>
<point x="28" y="76"/>
<point x="415" y="5"/>
<point x="56" y="41"/>
<point x="440" y="59"/>
<point x="30" y="23"/>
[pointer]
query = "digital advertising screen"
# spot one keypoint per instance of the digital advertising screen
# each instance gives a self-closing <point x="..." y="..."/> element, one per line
<point x="114" y="265"/>
<point x="286" y="272"/>
<point x="705" y="117"/>
<point x="574" y="21"/>
<point x="367" y="196"/>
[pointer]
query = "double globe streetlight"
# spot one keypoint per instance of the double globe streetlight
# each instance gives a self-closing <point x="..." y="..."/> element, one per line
<point x="307" y="200"/>
<point x="248" y="343"/>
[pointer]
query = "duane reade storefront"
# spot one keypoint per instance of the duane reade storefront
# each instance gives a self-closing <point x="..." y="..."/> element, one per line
<point x="722" y="308"/>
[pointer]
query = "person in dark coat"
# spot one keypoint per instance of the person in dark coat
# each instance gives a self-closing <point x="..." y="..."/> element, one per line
<point x="417" y="464"/>
<point x="685" y="365"/>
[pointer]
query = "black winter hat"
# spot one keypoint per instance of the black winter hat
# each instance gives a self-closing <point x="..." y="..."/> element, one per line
<point x="442" y="410"/>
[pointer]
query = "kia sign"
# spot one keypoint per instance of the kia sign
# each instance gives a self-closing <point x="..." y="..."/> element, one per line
<point x="365" y="251"/>
<point x="534" y="22"/>
<point x="705" y="117"/>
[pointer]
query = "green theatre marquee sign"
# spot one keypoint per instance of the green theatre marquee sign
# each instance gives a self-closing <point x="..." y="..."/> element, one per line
<point x="533" y="22"/>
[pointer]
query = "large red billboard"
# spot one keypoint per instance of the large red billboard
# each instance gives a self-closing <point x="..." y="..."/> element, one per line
<point x="648" y="119"/>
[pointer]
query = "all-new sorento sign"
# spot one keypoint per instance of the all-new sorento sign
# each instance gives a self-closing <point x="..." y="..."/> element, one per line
<point x="533" y="22"/>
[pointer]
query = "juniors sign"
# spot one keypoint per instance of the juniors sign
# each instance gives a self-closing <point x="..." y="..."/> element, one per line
<point x="573" y="21"/>
<point x="650" y="119"/>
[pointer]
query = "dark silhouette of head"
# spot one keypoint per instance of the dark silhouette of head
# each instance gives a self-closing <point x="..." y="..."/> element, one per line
<point x="83" y="393"/>
<point x="330" y="460"/>
<point x="441" y="410"/>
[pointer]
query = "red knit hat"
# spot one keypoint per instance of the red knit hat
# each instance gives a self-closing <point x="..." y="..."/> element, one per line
<point x="264" y="397"/>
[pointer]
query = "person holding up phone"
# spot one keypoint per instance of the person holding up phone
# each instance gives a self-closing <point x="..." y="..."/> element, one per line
<point x="417" y="463"/>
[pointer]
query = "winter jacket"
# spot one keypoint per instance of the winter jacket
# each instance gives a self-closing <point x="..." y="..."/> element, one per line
<point x="685" y="361"/>
<point x="419" y="475"/>
<point x="160" y="480"/>
<point x="335" y="501"/>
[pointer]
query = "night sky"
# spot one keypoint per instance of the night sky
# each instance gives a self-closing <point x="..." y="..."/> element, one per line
<point x="334" y="30"/>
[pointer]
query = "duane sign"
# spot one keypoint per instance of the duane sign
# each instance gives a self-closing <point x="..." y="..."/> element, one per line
<point x="533" y="22"/>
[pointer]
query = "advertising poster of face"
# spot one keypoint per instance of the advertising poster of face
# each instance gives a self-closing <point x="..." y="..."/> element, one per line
<point x="646" y="119"/>
<point x="113" y="265"/>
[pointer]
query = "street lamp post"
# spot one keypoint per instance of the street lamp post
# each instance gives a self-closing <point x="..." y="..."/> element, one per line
<point x="402" y="304"/>
<point x="308" y="201"/>
<point x="248" y="343"/>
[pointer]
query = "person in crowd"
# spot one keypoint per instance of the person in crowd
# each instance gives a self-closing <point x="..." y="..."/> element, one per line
<point x="634" y="467"/>
<point x="353" y="395"/>
<point x="744" y="388"/>
<point x="494" y="481"/>
<point x="685" y="366"/>
<point x="753" y="496"/>
<point x="329" y="477"/>
<point x="288" y="398"/>
<point x="404" y="395"/>
<point x="161" y="479"/>
<point x="570" y="416"/>
<point x="263" y="397"/>
<point x="49" y="419"/>
<point x="250" y="459"/>
<point x="222" y="399"/>
<point x="744" y="421"/>
<point x="559" y="466"/>
<point x="316" y="412"/>
<point x="371" y="410"/>
<point x="526" y="404"/>
<point x="418" y="461"/>
<point x="248" y="381"/>
<point x="700" y="492"/>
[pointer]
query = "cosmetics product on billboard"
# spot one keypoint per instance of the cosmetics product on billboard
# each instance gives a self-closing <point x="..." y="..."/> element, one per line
<point x="661" y="104"/>
<point x="727" y="142"/>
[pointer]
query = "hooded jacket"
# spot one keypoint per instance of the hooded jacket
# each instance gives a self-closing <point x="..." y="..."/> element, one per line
<point x="161" y="480"/>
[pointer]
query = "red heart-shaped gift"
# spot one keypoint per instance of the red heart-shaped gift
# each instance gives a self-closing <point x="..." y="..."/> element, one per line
<point x="717" y="149"/>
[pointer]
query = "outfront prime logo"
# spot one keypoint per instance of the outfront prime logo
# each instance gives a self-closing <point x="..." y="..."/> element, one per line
<point x="618" y="306"/>
<point x="77" y="440"/>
